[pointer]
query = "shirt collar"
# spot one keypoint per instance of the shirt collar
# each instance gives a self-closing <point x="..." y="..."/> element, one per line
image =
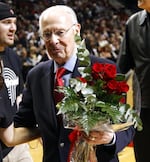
<point x="70" y="64"/>
<point x="142" y="17"/>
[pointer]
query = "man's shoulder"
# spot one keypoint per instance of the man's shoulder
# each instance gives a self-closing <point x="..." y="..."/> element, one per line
<point x="13" y="58"/>
<point x="43" y="67"/>
<point x="10" y="52"/>
<point x="101" y="60"/>
<point x="138" y="17"/>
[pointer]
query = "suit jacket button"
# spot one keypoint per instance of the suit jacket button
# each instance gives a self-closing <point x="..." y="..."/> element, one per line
<point x="62" y="144"/>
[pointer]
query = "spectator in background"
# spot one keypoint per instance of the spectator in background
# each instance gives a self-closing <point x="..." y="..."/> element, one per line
<point x="105" y="50"/>
<point x="135" y="54"/>
<point x="13" y="83"/>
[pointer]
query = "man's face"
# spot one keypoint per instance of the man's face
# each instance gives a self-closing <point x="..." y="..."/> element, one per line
<point x="144" y="4"/>
<point x="7" y="31"/>
<point x="60" y="32"/>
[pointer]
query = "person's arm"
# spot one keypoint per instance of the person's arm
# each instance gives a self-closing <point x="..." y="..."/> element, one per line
<point x="13" y="136"/>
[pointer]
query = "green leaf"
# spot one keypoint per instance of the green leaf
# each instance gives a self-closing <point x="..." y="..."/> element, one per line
<point x="120" y="77"/>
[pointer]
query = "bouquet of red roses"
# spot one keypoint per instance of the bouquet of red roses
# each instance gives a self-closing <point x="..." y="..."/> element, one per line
<point x="95" y="100"/>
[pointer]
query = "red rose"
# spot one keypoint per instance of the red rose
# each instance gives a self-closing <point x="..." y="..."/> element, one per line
<point x="123" y="100"/>
<point x="123" y="87"/>
<point x="103" y="71"/>
<point x="97" y="70"/>
<point x="118" y="87"/>
<point x="109" y="71"/>
<point x="97" y="67"/>
<point x="83" y="80"/>
<point x="111" y="85"/>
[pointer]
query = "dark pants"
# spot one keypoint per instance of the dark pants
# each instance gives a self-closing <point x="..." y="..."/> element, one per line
<point x="142" y="138"/>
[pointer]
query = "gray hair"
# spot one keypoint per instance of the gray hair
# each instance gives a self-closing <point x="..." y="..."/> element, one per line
<point x="64" y="8"/>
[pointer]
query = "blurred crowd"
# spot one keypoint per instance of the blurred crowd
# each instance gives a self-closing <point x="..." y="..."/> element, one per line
<point x="103" y="25"/>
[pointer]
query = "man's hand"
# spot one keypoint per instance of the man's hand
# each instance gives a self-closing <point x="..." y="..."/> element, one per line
<point x="99" y="137"/>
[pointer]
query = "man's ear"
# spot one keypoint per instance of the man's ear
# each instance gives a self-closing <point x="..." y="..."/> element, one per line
<point x="77" y="29"/>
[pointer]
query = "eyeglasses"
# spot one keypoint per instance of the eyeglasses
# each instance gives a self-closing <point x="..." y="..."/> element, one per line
<point x="1" y="75"/>
<point x="59" y="33"/>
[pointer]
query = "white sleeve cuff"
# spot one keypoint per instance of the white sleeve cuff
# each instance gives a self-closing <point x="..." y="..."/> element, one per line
<point x="112" y="141"/>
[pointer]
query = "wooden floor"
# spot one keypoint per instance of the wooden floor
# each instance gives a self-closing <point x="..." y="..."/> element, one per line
<point x="36" y="150"/>
<point x="127" y="155"/>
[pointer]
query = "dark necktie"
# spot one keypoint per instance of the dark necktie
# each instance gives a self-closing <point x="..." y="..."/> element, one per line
<point x="59" y="82"/>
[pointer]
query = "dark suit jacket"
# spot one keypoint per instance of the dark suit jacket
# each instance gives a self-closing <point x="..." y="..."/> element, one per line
<point x="37" y="108"/>
<point x="134" y="53"/>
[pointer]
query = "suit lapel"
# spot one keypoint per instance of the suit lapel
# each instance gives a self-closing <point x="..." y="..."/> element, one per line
<point x="76" y="72"/>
